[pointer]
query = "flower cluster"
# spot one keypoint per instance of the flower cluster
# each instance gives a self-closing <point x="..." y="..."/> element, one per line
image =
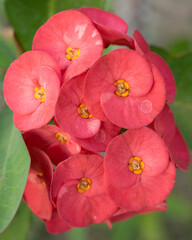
<point x="116" y="103"/>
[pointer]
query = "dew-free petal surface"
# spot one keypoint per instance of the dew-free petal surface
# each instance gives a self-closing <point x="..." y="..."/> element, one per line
<point x="69" y="29"/>
<point x="101" y="139"/>
<point x="120" y="64"/>
<point x="36" y="192"/>
<point x="166" y="127"/>
<point x="140" y="43"/>
<point x="66" y="111"/>
<point x="178" y="151"/>
<point x="165" y="71"/>
<point x="111" y="27"/>
<point x="146" y="193"/>
<point x="143" y="143"/>
<point x="75" y="168"/>
<point x="123" y="214"/>
<point x="56" y="225"/>
<point x="22" y="77"/>
<point x="80" y="210"/>
<point x="49" y="80"/>
<point x="134" y="112"/>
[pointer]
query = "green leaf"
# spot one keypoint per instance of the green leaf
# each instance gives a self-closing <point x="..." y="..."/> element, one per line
<point x="26" y="16"/>
<point x="7" y="56"/>
<point x="182" y="107"/>
<point x="19" y="227"/>
<point x="14" y="168"/>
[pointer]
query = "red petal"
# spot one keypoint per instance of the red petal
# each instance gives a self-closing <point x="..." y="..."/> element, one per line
<point x="134" y="112"/>
<point x="56" y="225"/>
<point x="146" y="193"/>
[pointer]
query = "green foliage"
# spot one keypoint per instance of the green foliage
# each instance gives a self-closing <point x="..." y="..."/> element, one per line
<point x="26" y="16"/>
<point x="18" y="229"/>
<point x="13" y="168"/>
<point x="7" y="55"/>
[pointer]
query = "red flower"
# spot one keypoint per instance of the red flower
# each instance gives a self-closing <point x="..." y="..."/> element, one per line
<point x="79" y="192"/>
<point x="137" y="169"/>
<point x="52" y="140"/>
<point x="73" y="41"/>
<point x="56" y="225"/>
<point x="111" y="27"/>
<point x="143" y="48"/>
<point x="71" y="113"/>
<point x="100" y="141"/>
<point x="37" y="189"/>
<point x="122" y="87"/>
<point x="164" y="125"/>
<point x="31" y="88"/>
<point x="123" y="214"/>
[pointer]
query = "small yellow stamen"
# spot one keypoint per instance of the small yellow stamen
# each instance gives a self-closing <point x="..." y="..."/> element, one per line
<point x="72" y="53"/>
<point x="84" y="185"/>
<point x="136" y="165"/>
<point x="61" y="138"/>
<point x="40" y="93"/>
<point x="122" y="88"/>
<point x="83" y="111"/>
<point x="40" y="175"/>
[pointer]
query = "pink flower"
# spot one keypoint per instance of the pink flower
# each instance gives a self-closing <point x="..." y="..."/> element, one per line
<point x="79" y="192"/>
<point x="72" y="40"/>
<point x="37" y="189"/>
<point x="123" y="88"/>
<point x="54" y="141"/>
<point x="71" y="112"/>
<point x="111" y="27"/>
<point x="137" y="169"/>
<point x="164" y="125"/>
<point x="143" y="48"/>
<point x="31" y="88"/>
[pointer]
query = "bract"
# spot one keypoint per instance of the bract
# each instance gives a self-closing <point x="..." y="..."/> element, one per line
<point x="72" y="40"/>
<point x="31" y="88"/>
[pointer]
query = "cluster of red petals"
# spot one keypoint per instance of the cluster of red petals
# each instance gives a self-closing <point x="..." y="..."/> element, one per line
<point x="91" y="99"/>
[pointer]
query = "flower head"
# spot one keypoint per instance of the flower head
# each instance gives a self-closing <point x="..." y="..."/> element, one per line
<point x="72" y="40"/>
<point x="123" y="88"/>
<point x="37" y="190"/>
<point x="71" y="112"/>
<point x="111" y="27"/>
<point x="143" y="48"/>
<point x="79" y="192"/>
<point x="31" y="88"/>
<point x="137" y="169"/>
<point x="51" y="139"/>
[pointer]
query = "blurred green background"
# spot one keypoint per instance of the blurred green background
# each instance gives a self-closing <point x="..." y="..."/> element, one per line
<point x="25" y="16"/>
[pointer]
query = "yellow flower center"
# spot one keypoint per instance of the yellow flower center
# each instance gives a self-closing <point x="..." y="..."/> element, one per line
<point x="122" y="88"/>
<point x="40" y="93"/>
<point x="84" y="185"/>
<point x="136" y="165"/>
<point x="72" y="54"/>
<point x="61" y="138"/>
<point x="83" y="111"/>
